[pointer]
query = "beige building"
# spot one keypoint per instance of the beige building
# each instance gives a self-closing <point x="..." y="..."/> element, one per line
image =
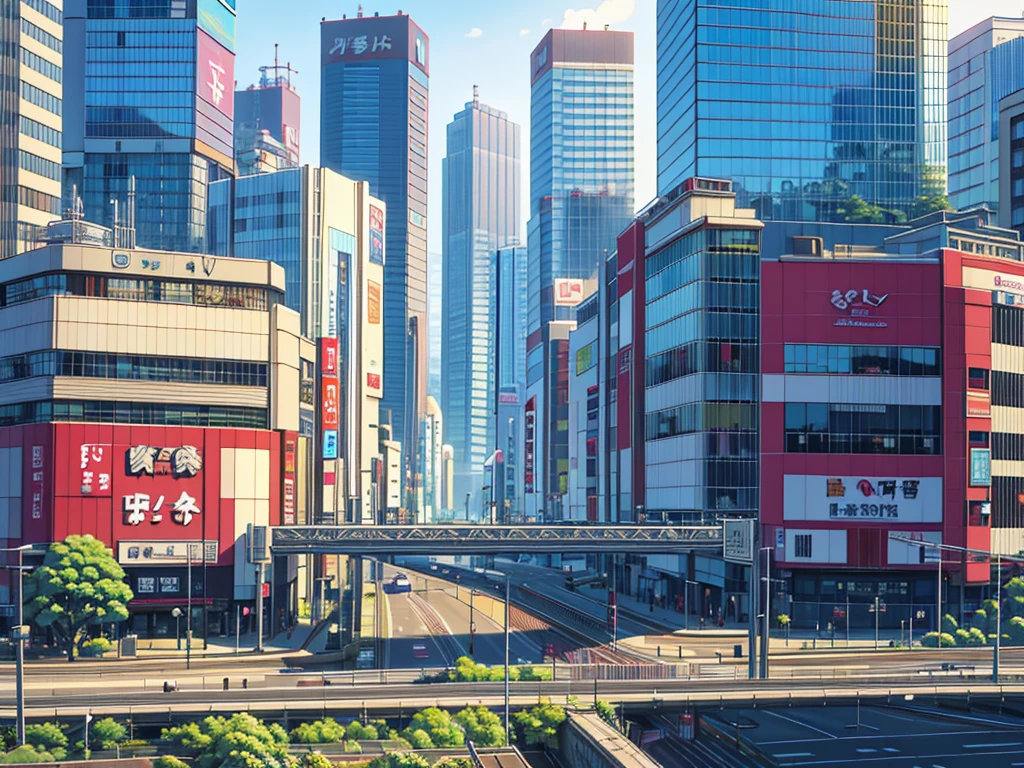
<point x="30" y="144"/>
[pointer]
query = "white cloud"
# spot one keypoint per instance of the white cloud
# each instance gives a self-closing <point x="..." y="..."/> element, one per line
<point x="475" y="32"/>
<point x="545" y="23"/>
<point x="523" y="32"/>
<point x="609" y="12"/>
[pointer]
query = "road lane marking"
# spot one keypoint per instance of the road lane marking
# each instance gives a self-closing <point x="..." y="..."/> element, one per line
<point x="866" y="750"/>
<point x="884" y="759"/>
<point x="794" y="754"/>
<point x="993" y="744"/>
<point x="890" y="749"/>
<point x="797" y="722"/>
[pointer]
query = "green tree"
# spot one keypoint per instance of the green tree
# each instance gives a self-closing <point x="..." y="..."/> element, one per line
<point x="326" y="731"/>
<point x="8" y="737"/>
<point x="454" y="762"/>
<point x="399" y="760"/>
<point x="438" y="725"/>
<point x="418" y="739"/>
<point x="79" y="585"/>
<point x="949" y="624"/>
<point x="1014" y="587"/>
<point x="482" y="727"/>
<point x="241" y="741"/>
<point x="27" y="754"/>
<point x="169" y="761"/>
<point x="607" y="713"/>
<point x="930" y="640"/>
<point x="315" y="760"/>
<point x="356" y="731"/>
<point x="926" y="204"/>
<point x="1014" y="628"/>
<point x="857" y="210"/>
<point x="540" y="723"/>
<point x="107" y="732"/>
<point x="48" y="737"/>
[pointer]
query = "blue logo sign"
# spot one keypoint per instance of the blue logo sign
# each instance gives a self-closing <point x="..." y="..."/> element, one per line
<point x="981" y="467"/>
<point x="330" y="443"/>
<point x="121" y="260"/>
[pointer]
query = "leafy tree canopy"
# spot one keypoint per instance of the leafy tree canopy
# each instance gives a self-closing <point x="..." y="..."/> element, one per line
<point x="79" y="585"/>
<point x="241" y="741"/>
<point x="482" y="727"/>
<point x="439" y="727"/>
<point x="540" y="723"/>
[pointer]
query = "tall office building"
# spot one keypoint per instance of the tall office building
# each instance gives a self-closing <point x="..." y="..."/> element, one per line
<point x="149" y="95"/>
<point x="267" y="122"/>
<point x="481" y="214"/>
<point x="431" y="463"/>
<point x="510" y="365"/>
<point x="435" y="309"/>
<point x="581" y="197"/>
<point x="30" y="100"/>
<point x="807" y="105"/>
<point x="326" y="232"/>
<point x="373" y="127"/>
<point x="986" y="64"/>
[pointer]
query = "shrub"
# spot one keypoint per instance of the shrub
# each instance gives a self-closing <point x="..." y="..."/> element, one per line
<point x="326" y="731"/>
<point x="400" y="760"/>
<point x="107" y="732"/>
<point x="418" y="738"/>
<point x="930" y="640"/>
<point x="540" y="723"/>
<point x="95" y="647"/>
<point x="353" y="747"/>
<point x="356" y="731"/>
<point x="48" y="737"/>
<point x="949" y="625"/>
<point x="169" y="761"/>
<point x="26" y="754"/>
<point x="482" y="727"/>
<point x="607" y="713"/>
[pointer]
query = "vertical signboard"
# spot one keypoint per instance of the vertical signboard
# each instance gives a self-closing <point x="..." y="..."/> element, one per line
<point x="981" y="467"/>
<point x="217" y="20"/>
<point x="376" y="235"/>
<point x="215" y="74"/>
<point x="528" y="449"/>
<point x="291" y="444"/>
<point x="330" y="397"/>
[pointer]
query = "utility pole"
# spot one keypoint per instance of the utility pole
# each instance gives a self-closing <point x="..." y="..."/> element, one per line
<point x="188" y="604"/>
<point x="767" y="611"/>
<point x="752" y="599"/>
<point x="259" y="607"/>
<point x="507" y="596"/>
<point x="995" y="646"/>
<point x="876" y="622"/>
<point x="938" y="605"/>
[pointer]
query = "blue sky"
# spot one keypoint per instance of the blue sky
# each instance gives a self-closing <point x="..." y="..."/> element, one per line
<point x="484" y="43"/>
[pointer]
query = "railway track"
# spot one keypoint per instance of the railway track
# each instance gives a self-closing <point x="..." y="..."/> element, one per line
<point x="439" y="631"/>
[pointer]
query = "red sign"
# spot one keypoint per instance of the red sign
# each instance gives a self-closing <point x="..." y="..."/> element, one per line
<point x="329" y="402"/>
<point x="979" y="404"/>
<point x="329" y="357"/>
<point x="266" y="589"/>
<point x="215" y="74"/>
<point x="373" y="381"/>
<point x="290" y="448"/>
<point x="95" y="469"/>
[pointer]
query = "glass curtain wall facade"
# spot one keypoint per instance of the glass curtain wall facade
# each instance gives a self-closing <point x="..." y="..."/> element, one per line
<point x="31" y="76"/>
<point x="805" y="105"/>
<point x="581" y="159"/>
<point x="481" y="214"/>
<point x="986" y="63"/>
<point x="151" y="98"/>
<point x="373" y="127"/>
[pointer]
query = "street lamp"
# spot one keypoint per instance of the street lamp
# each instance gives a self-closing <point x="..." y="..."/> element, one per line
<point x="507" y="578"/>
<point x="176" y="613"/>
<point x="19" y="635"/>
<point x="767" y="610"/>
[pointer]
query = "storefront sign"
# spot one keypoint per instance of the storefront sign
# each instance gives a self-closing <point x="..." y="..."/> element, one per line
<point x="373" y="302"/>
<point x="330" y="444"/>
<point x="329" y="402"/>
<point x="585" y="359"/>
<point x="979" y="404"/>
<point x="862" y="499"/>
<point x="528" y="444"/>
<point x="181" y="462"/>
<point x="738" y="541"/>
<point x="37" y="482"/>
<point x="568" y="292"/>
<point x="291" y="441"/>
<point x="981" y="467"/>
<point x="376" y="235"/>
<point x="95" y="469"/>
<point x="329" y="357"/>
<point x="166" y="552"/>
<point x="859" y="305"/>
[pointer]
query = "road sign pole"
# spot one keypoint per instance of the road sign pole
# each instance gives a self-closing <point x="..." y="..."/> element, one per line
<point x="20" y="651"/>
<point x="259" y="608"/>
<point x="938" y="605"/>
<point x="995" y="646"/>
<point x="752" y="595"/>
<point x="876" y="622"/>
<point x="507" y="598"/>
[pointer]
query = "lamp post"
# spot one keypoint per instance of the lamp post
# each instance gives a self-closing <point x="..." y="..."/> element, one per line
<point x="767" y="610"/>
<point x="507" y="588"/>
<point x="176" y="613"/>
<point x="995" y="646"/>
<point x="19" y="635"/>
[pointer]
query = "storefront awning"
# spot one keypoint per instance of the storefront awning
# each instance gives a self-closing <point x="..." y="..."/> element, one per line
<point x="168" y="602"/>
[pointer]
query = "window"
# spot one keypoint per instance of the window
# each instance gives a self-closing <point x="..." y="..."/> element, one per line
<point x="977" y="378"/>
<point x="49" y="10"/>
<point x="864" y="360"/>
<point x="977" y="439"/>
<point x="841" y="428"/>
<point x="116" y="412"/>
<point x="41" y="201"/>
<point x="802" y="545"/>
<point x="39" y="165"/>
<point x="1018" y="158"/>
<point x="41" y="98"/>
<point x="40" y="65"/>
<point x="43" y="133"/>
<point x="44" y="37"/>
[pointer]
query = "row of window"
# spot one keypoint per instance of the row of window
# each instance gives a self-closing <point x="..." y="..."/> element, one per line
<point x="132" y="368"/>
<point x="116" y="412"/>
<point x="136" y="9"/>
<point x="39" y="165"/>
<point x="49" y="10"/>
<point x="862" y="359"/>
<point x="41" y="98"/>
<point x="913" y="430"/>
<point x="132" y="289"/>
<point x="43" y="133"/>
<point x="41" y="35"/>
<point x="41" y="201"/>
<point x="1007" y="389"/>
<point x="697" y="417"/>
<point x="1007" y="326"/>
<point x="40" y="65"/>
<point x="697" y="357"/>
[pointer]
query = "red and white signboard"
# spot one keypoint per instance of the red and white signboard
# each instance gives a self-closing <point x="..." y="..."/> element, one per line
<point x="215" y="74"/>
<point x="568" y="292"/>
<point x="329" y="402"/>
<point x="95" y="469"/>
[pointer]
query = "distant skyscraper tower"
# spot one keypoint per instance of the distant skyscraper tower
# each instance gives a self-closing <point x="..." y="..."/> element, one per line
<point x="481" y="214"/>
<point x="435" y="308"/>
<point x="986" y="64"/>
<point x="30" y="102"/>
<point x="373" y="127"/>
<point x="803" y="105"/>
<point x="267" y="122"/>
<point x="149" y="94"/>
<point x="581" y="197"/>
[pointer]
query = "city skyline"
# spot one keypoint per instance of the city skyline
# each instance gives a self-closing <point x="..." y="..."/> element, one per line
<point x="503" y="80"/>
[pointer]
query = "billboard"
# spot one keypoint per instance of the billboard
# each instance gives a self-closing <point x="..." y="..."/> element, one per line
<point x="981" y="467"/>
<point x="329" y="402"/>
<point x="291" y="445"/>
<point x="372" y="38"/>
<point x="215" y="74"/>
<point x="218" y="21"/>
<point x="376" y="235"/>
<point x="372" y="302"/>
<point x="568" y="292"/>
<point x="329" y="357"/>
<point x="373" y="334"/>
<point x="290" y="122"/>
<point x="863" y="499"/>
<point x="585" y="358"/>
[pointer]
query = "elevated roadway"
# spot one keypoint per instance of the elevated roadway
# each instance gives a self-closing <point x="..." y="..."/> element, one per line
<point x="388" y="540"/>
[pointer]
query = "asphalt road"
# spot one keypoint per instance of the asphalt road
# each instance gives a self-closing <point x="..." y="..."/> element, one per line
<point x="838" y="736"/>
<point x="433" y="603"/>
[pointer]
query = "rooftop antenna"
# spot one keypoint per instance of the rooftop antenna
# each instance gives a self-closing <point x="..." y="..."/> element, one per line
<point x="476" y="95"/>
<point x="359" y="13"/>
<point x="584" y="26"/>
<point x="277" y="69"/>
<point x="129" y="233"/>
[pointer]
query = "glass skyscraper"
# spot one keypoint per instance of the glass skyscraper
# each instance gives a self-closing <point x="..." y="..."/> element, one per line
<point x="581" y="160"/>
<point x="373" y="127"/>
<point x="804" y="103"/>
<point x="481" y="214"/>
<point x="149" y="94"/>
<point x="31" y="71"/>
<point x="986" y="63"/>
